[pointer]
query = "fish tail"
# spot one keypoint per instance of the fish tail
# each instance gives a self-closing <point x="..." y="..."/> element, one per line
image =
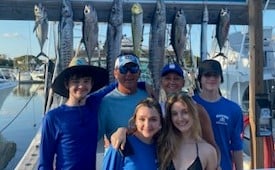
<point x="42" y="54"/>
<point x="220" y="54"/>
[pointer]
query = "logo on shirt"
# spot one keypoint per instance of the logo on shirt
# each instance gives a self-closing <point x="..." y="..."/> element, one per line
<point x="221" y="119"/>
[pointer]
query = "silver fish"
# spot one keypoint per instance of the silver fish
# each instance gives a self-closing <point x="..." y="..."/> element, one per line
<point x="41" y="26"/>
<point x="222" y="29"/>
<point x="114" y="36"/>
<point x="65" y="49"/>
<point x="203" y="47"/>
<point x="178" y="35"/>
<point x="137" y="28"/>
<point x="157" y="44"/>
<point x="90" y="30"/>
<point x="66" y="35"/>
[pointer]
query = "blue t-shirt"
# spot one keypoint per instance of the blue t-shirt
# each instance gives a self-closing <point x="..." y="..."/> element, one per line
<point x="143" y="158"/>
<point x="116" y="109"/>
<point x="227" y="123"/>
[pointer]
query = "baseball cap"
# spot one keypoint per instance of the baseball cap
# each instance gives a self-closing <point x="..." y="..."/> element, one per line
<point x="125" y="59"/>
<point x="210" y="66"/>
<point x="172" y="67"/>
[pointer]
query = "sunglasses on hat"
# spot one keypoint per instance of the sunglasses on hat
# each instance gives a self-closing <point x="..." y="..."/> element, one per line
<point x="131" y="69"/>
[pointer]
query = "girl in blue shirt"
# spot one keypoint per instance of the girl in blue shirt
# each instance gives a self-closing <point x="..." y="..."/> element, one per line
<point x="140" y="149"/>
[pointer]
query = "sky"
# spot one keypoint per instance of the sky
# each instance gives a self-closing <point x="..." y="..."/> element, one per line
<point x="17" y="37"/>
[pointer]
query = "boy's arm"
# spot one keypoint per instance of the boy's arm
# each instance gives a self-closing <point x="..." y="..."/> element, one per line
<point x="47" y="145"/>
<point x="104" y="90"/>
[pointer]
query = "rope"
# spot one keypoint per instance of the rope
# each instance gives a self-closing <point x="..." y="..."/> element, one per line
<point x="5" y="127"/>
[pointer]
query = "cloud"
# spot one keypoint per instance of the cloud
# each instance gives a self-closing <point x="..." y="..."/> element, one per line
<point x="12" y="35"/>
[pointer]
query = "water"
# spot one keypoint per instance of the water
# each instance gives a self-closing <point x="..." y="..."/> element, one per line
<point x="30" y="99"/>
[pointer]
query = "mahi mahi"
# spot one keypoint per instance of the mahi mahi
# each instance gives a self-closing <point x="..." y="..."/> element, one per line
<point x="222" y="29"/>
<point x="41" y="26"/>
<point x="114" y="36"/>
<point x="178" y="36"/>
<point x="90" y="30"/>
<point x="157" y="44"/>
<point x="137" y="28"/>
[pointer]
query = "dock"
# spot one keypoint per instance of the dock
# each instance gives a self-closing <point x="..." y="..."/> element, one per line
<point x="29" y="161"/>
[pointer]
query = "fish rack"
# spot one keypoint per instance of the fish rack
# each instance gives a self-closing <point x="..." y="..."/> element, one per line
<point x="23" y="9"/>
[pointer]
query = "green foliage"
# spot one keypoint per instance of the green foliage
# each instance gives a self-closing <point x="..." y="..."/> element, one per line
<point x="26" y="62"/>
<point x="6" y="62"/>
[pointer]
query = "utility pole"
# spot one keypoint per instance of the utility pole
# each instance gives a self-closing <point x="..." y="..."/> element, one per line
<point x="256" y="77"/>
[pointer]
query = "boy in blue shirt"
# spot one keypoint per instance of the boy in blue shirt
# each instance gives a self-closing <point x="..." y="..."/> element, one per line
<point x="69" y="132"/>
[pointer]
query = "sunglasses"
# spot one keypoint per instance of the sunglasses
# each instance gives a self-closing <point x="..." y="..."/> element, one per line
<point x="211" y="74"/>
<point x="131" y="69"/>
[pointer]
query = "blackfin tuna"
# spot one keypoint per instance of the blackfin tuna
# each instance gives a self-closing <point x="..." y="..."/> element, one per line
<point x="90" y="30"/>
<point x="41" y="26"/>
<point x="178" y="35"/>
<point x="222" y="29"/>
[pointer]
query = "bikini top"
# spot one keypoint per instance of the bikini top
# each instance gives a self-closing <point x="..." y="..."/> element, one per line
<point x="196" y="165"/>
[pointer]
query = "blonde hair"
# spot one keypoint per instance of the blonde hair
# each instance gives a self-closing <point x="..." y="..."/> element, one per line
<point x="170" y="138"/>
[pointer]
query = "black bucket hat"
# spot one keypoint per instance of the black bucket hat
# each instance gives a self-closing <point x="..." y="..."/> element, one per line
<point x="80" y="65"/>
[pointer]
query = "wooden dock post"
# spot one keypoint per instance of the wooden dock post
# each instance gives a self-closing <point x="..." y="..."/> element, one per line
<point x="256" y="78"/>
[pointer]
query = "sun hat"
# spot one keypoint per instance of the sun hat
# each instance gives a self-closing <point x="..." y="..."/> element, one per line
<point x="125" y="59"/>
<point x="172" y="67"/>
<point x="210" y="66"/>
<point x="76" y="66"/>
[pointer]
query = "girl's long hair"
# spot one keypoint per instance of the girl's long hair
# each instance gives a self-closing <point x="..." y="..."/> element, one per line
<point x="170" y="138"/>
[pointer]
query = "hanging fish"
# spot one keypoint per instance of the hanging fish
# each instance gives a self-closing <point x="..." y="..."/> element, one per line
<point x="114" y="36"/>
<point x="178" y="35"/>
<point x="90" y="30"/>
<point x="203" y="47"/>
<point x="157" y="44"/>
<point x="41" y="26"/>
<point x="65" y="47"/>
<point x="65" y="35"/>
<point x="222" y="29"/>
<point x="137" y="28"/>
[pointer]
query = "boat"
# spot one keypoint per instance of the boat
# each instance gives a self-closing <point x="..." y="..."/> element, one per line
<point x="23" y="77"/>
<point x="7" y="83"/>
<point x="38" y="74"/>
<point x="7" y="80"/>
